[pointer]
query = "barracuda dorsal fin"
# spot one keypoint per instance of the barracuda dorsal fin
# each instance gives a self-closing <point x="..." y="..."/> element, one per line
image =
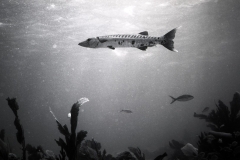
<point x="143" y="48"/>
<point x="111" y="47"/>
<point x="145" y="33"/>
<point x="101" y="40"/>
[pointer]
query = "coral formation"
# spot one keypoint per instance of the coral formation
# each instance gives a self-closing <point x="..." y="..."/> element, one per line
<point x="221" y="143"/>
<point x="224" y="139"/>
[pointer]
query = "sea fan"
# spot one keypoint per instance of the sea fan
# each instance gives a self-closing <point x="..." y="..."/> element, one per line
<point x="224" y="118"/>
<point x="225" y="124"/>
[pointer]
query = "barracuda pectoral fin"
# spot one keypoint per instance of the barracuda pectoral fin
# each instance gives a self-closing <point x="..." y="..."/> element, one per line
<point x="102" y="40"/>
<point x="143" y="48"/>
<point x="145" y="33"/>
<point x="111" y="47"/>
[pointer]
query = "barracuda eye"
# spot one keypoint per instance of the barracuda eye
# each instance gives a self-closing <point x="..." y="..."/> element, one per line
<point x="89" y="39"/>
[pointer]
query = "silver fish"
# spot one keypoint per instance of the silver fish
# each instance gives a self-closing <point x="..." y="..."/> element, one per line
<point x="126" y="111"/>
<point x="141" y="41"/>
<point x="182" y="98"/>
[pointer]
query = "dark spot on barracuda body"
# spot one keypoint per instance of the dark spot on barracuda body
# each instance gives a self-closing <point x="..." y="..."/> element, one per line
<point x="111" y="47"/>
<point x="151" y="42"/>
<point x="143" y="48"/>
<point x="119" y="42"/>
<point x="158" y="37"/>
<point x="142" y="45"/>
<point x="133" y="42"/>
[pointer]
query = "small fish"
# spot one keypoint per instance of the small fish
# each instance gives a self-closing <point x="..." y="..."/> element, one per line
<point x="141" y="41"/>
<point x="182" y="98"/>
<point x="201" y="116"/>
<point x="126" y="111"/>
<point x="160" y="157"/>
<point x="205" y="109"/>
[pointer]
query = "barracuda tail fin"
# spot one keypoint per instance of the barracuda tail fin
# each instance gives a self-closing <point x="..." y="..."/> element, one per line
<point x="173" y="99"/>
<point x="168" y="40"/>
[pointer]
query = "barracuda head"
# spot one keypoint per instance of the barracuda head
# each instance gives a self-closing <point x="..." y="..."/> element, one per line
<point x="90" y="43"/>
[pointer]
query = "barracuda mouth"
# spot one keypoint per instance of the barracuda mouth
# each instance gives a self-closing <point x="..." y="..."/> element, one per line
<point x="89" y="43"/>
<point x="83" y="44"/>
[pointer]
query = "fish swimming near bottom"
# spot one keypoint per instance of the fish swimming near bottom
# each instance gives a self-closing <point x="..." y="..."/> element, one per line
<point x="182" y="98"/>
<point x="141" y="41"/>
<point x="126" y="111"/>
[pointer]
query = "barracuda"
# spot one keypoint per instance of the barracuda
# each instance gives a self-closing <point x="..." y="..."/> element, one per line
<point x="141" y="41"/>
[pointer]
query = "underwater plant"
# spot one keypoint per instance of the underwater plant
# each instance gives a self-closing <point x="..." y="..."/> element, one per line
<point x="136" y="155"/>
<point x="224" y="119"/>
<point x="4" y="149"/>
<point x="12" y="103"/>
<point x="222" y="142"/>
<point x="72" y="140"/>
<point x="90" y="149"/>
<point x="126" y="155"/>
<point x="35" y="153"/>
